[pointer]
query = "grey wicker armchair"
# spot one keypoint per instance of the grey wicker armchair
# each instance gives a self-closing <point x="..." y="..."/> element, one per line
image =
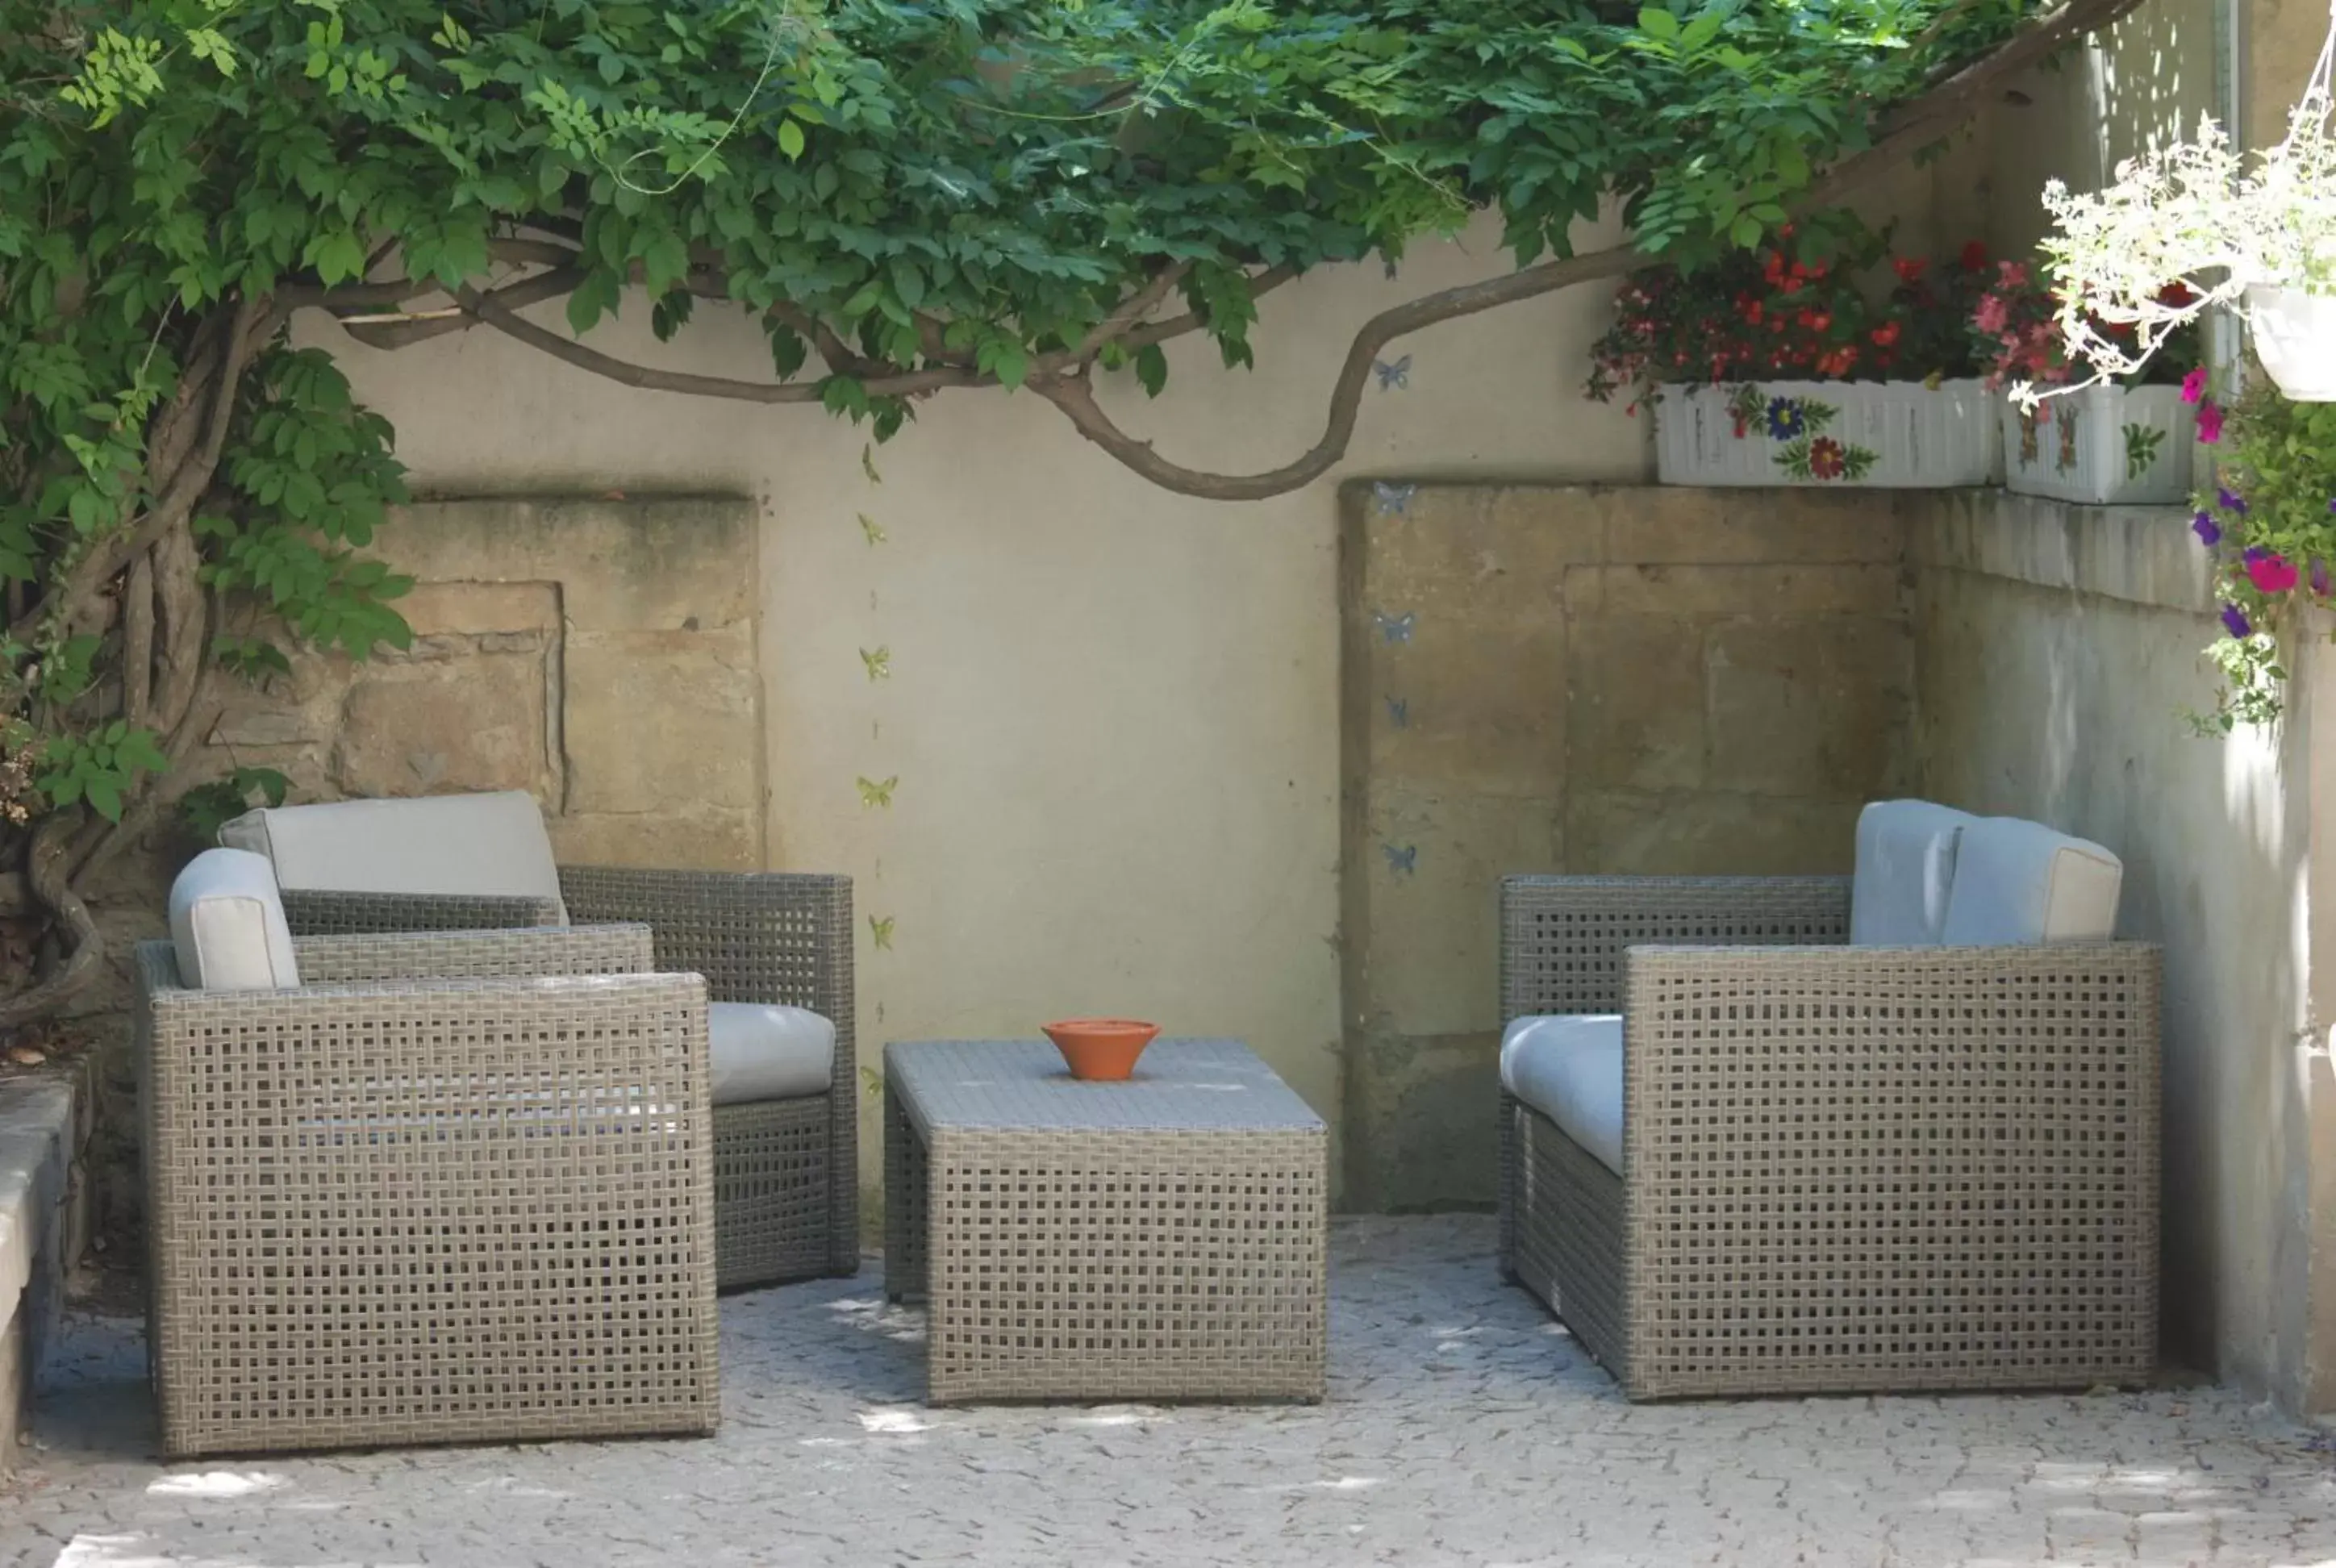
<point x="1842" y="1168"/>
<point x="430" y="1195"/>
<point x="786" y="1172"/>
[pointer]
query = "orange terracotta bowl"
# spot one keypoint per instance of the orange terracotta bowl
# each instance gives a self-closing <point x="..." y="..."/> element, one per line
<point x="1103" y="1050"/>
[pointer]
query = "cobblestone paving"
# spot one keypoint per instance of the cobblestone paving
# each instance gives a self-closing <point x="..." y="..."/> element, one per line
<point x="1462" y="1427"/>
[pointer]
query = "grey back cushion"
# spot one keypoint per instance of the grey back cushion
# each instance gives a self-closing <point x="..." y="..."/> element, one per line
<point x="468" y="843"/>
<point x="1906" y="854"/>
<point x="228" y="926"/>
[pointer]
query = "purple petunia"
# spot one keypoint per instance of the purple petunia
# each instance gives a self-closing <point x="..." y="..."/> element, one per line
<point x="2236" y="622"/>
<point x="2209" y="532"/>
<point x="2320" y="577"/>
<point x="2231" y="500"/>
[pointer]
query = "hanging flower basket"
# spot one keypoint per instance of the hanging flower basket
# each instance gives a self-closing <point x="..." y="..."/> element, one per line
<point x="2294" y="335"/>
<point x="2102" y="446"/>
<point x="1872" y="434"/>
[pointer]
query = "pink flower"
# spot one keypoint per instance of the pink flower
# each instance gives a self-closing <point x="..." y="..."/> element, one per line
<point x="2193" y="385"/>
<point x="1992" y="315"/>
<point x="2014" y="275"/>
<point x="2271" y="573"/>
<point x="2210" y="421"/>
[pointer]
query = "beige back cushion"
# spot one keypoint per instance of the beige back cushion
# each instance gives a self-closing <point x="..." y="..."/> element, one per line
<point x="470" y="843"/>
<point x="228" y="927"/>
<point x="2019" y="881"/>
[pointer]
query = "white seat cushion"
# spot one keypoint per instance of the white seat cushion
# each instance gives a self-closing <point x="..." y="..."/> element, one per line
<point x="2019" y="881"/>
<point x="769" y="1053"/>
<point x="1569" y="1069"/>
<point x="227" y="925"/>
<point x="469" y="843"/>
<point x="1905" y="873"/>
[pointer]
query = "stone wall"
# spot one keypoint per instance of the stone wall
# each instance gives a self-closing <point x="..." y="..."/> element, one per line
<point x="1581" y="679"/>
<point x="599" y="653"/>
<point x="2058" y="649"/>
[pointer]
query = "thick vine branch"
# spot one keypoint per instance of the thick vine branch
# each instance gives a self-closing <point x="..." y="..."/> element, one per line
<point x="1919" y="123"/>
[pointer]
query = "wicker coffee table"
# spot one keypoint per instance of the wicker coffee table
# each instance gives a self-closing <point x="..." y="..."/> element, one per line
<point x="1158" y="1239"/>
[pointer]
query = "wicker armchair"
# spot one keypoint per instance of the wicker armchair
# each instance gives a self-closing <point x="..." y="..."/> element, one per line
<point x="430" y="1197"/>
<point x="1842" y="1168"/>
<point x="786" y="1172"/>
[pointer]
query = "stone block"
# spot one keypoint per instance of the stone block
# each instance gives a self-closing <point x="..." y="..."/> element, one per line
<point x="1422" y="1122"/>
<point x="1470" y="702"/>
<point x="1809" y="706"/>
<point x="1695" y="591"/>
<point x="1686" y="525"/>
<point x="684" y="838"/>
<point x="1432" y="953"/>
<point x="1635" y="712"/>
<point x="1707" y="833"/>
<point x="446" y="726"/>
<point x="678" y="563"/>
<point x="654" y="724"/>
<point x="467" y="608"/>
<point x="1491" y="552"/>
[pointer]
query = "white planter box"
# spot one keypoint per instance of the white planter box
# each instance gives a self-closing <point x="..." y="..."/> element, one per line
<point x="1885" y="434"/>
<point x="2103" y="446"/>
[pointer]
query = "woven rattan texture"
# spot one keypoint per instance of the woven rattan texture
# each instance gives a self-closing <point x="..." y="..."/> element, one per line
<point x="759" y="937"/>
<point x="1563" y="938"/>
<point x="1168" y="1243"/>
<point x="1570" y="1247"/>
<point x="771" y="1191"/>
<point x="474" y="955"/>
<point x="428" y="1211"/>
<point x="1864" y="1168"/>
<point x="314" y="911"/>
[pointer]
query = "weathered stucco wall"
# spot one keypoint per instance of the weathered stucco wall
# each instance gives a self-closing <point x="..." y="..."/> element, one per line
<point x="1635" y="680"/>
<point x="2058" y="649"/>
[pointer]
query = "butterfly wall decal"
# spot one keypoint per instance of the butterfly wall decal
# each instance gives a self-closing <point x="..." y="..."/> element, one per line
<point x="1394" y="628"/>
<point x="1402" y="861"/>
<point x="872" y="528"/>
<point x="879" y="661"/>
<point x="1393" y="378"/>
<point x="1391" y="500"/>
<point x="1399" y="712"/>
<point x="880" y="928"/>
<point x="873" y="793"/>
<point x="868" y="465"/>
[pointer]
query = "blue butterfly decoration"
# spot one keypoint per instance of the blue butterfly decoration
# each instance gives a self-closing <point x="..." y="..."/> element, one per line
<point x="1399" y="712"/>
<point x="1391" y="500"/>
<point x="1393" y="376"/>
<point x="1403" y="861"/>
<point x="1394" y="628"/>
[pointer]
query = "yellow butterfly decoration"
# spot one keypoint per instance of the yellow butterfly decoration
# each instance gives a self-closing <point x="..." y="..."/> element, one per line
<point x="868" y="466"/>
<point x="881" y="930"/>
<point x="879" y="662"/>
<point x="873" y="795"/>
<point x="872" y="528"/>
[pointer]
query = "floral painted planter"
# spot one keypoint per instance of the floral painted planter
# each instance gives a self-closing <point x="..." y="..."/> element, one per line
<point x="2103" y="446"/>
<point x="1884" y="435"/>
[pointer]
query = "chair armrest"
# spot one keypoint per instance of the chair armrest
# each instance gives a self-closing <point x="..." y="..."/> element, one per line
<point x="1856" y="1066"/>
<point x="319" y="912"/>
<point x="1563" y="938"/>
<point x="457" y="955"/>
<point x="756" y="935"/>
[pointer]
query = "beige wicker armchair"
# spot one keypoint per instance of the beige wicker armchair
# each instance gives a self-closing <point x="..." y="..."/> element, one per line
<point x="454" y="1187"/>
<point x="1841" y="1168"/>
<point x="786" y="1170"/>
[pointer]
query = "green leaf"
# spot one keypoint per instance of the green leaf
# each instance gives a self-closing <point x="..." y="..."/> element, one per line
<point x="790" y="139"/>
<point x="1151" y="369"/>
<point x="1656" y="22"/>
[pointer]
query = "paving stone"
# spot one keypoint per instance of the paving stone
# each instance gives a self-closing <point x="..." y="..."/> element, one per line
<point x="1464" y="1427"/>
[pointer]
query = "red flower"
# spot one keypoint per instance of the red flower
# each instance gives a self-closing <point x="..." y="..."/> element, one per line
<point x="1909" y="268"/>
<point x="1886" y="334"/>
<point x="1820" y="321"/>
<point x="1752" y="313"/>
<point x="1825" y="460"/>
<point x="1974" y="257"/>
<point x="1773" y="269"/>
